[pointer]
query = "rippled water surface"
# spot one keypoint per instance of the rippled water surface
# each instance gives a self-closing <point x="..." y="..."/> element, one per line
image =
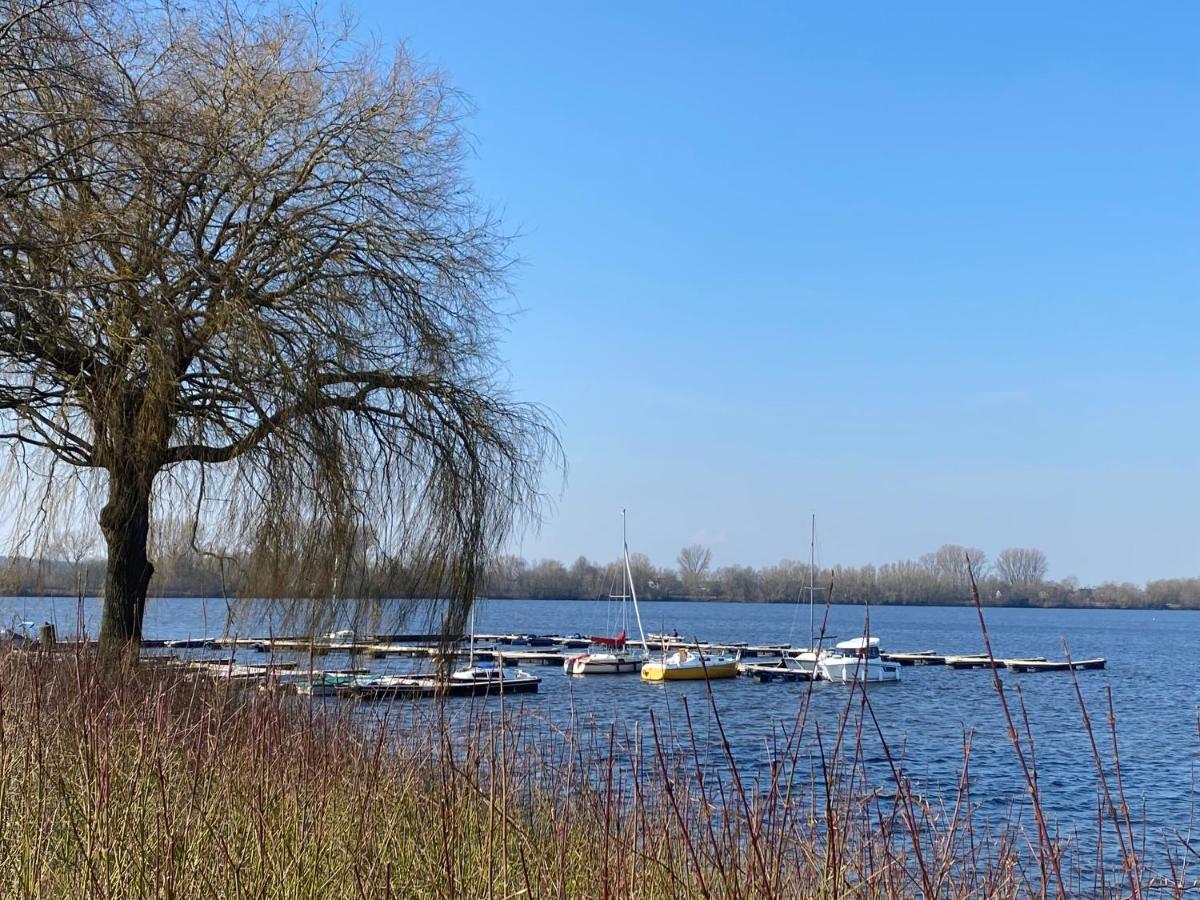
<point x="1151" y="675"/>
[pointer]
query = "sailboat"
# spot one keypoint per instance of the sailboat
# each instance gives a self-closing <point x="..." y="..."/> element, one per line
<point x="810" y="658"/>
<point x="855" y="660"/>
<point x="606" y="656"/>
<point x="687" y="664"/>
<point x="682" y="663"/>
<point x="610" y="655"/>
<point x="798" y="665"/>
<point x="480" y="678"/>
<point x="476" y="679"/>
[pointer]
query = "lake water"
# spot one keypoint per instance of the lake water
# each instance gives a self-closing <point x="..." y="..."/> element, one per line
<point x="1150" y="675"/>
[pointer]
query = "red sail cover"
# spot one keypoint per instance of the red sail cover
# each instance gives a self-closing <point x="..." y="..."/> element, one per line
<point x="618" y="641"/>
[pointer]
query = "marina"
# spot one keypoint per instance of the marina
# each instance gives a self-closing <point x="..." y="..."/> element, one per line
<point x="928" y="710"/>
<point x="763" y="663"/>
<point x="333" y="341"/>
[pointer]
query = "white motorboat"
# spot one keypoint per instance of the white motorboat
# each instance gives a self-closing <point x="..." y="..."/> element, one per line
<point x="857" y="659"/>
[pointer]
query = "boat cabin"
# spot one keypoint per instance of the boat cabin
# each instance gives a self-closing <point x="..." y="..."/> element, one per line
<point x="860" y="648"/>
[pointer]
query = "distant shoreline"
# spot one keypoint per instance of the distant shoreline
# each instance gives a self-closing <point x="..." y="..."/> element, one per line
<point x="940" y="602"/>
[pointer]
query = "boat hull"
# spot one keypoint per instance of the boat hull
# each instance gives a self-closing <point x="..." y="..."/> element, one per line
<point x="426" y="688"/>
<point x="656" y="670"/>
<point x="858" y="670"/>
<point x="585" y="665"/>
<point x="768" y="674"/>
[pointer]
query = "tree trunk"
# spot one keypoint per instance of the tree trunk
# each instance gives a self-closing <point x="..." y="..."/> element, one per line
<point x="125" y="522"/>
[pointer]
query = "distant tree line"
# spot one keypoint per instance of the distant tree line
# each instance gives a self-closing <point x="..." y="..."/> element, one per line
<point x="1016" y="577"/>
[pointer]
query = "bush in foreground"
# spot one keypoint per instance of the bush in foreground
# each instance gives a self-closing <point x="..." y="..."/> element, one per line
<point x="149" y="783"/>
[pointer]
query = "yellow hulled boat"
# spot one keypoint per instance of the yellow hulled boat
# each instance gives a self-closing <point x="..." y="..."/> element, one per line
<point x="688" y="665"/>
<point x="681" y="664"/>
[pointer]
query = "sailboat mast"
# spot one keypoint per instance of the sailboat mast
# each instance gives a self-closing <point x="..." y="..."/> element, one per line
<point x="471" y="644"/>
<point x="812" y="557"/>
<point x="632" y="590"/>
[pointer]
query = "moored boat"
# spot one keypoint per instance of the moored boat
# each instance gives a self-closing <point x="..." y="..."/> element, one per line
<point x="489" y="678"/>
<point x="328" y="684"/>
<point x="677" y="663"/>
<point x="689" y="665"/>
<point x="857" y="659"/>
<point x="808" y="659"/>
<point x="479" y="680"/>
<point x="605" y="656"/>
<point x="609" y="655"/>
<point x="483" y="678"/>
<point x="795" y="664"/>
<point x="785" y="669"/>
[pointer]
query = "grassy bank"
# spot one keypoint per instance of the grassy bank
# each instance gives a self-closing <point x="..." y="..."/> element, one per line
<point x="151" y="784"/>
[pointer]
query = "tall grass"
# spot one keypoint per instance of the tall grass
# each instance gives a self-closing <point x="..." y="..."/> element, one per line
<point x="144" y="782"/>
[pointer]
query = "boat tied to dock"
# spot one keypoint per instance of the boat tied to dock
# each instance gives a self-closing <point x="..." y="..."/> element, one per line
<point x="610" y="655"/>
<point x="857" y="659"/>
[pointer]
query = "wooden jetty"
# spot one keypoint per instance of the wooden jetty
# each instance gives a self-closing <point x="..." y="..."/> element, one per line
<point x="762" y="662"/>
<point x="1041" y="665"/>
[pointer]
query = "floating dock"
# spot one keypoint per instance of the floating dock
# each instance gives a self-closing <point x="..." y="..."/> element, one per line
<point x="762" y="662"/>
<point x="981" y="661"/>
<point x="915" y="658"/>
<point x="1036" y="665"/>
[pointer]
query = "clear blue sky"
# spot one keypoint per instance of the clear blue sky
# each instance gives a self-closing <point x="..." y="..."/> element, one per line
<point x="927" y="270"/>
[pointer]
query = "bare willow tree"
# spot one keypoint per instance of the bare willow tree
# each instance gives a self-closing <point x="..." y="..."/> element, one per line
<point x="1022" y="567"/>
<point x="949" y="565"/>
<point x="242" y="274"/>
<point x="693" y="561"/>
